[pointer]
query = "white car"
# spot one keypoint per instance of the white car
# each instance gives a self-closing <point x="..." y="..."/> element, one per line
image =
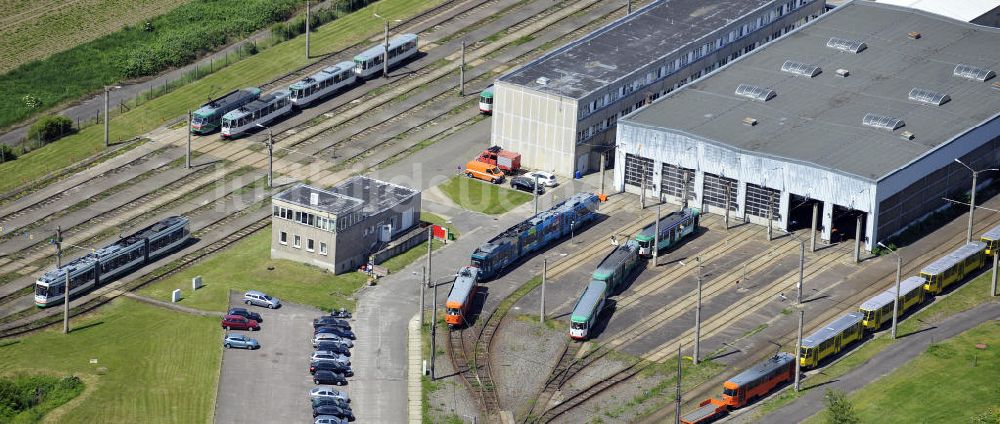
<point x="321" y="355"/>
<point x="330" y="336"/>
<point x="547" y="179"/>
<point x="322" y="391"/>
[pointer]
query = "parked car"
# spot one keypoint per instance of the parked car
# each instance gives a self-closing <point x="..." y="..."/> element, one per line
<point x="340" y="313"/>
<point x="254" y="297"/>
<point x="329" y="377"/>
<point x="547" y="179"/>
<point x="329" y="392"/>
<point x="330" y="321"/>
<point x="320" y="401"/>
<point x="236" y="322"/>
<point x="319" y="338"/>
<point x="333" y="410"/>
<point x="243" y="312"/>
<point x="321" y="355"/>
<point x="334" y="346"/>
<point x="336" y="367"/>
<point x="525" y="184"/>
<point x="340" y="331"/>
<point x="241" y="341"/>
<point x="329" y="419"/>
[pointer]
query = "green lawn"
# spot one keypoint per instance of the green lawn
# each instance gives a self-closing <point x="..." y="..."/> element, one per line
<point x="481" y="196"/>
<point x="255" y="70"/>
<point x="244" y="266"/>
<point x="439" y="221"/>
<point x="153" y="365"/>
<point x="952" y="381"/>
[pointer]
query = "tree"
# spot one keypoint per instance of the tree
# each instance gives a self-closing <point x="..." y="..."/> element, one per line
<point x="50" y="128"/>
<point x="839" y="409"/>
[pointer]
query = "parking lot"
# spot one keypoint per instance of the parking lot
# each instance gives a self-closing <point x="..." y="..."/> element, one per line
<point x="271" y="384"/>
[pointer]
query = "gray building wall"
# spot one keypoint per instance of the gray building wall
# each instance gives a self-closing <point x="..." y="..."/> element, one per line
<point x="563" y="134"/>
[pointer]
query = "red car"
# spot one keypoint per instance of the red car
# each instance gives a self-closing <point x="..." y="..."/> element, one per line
<point x="236" y="322"/>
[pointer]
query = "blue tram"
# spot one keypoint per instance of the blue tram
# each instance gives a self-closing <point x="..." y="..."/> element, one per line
<point x="112" y="261"/>
<point x="533" y="234"/>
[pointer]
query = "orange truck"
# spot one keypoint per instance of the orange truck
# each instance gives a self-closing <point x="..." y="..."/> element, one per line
<point x="506" y="160"/>
<point x="744" y="388"/>
<point x="484" y="171"/>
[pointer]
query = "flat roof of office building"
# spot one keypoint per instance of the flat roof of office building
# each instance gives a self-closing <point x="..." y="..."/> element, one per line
<point x="821" y="120"/>
<point x="632" y="42"/>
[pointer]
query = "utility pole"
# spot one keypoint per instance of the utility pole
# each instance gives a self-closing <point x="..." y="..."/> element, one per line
<point x="433" y="326"/>
<point x="423" y="284"/>
<point x="66" y="292"/>
<point x="385" y="57"/>
<point x="642" y="198"/>
<point x="812" y="235"/>
<point x="857" y="241"/>
<point x="535" y="191"/>
<point x="798" y="353"/>
<point x="770" y="212"/>
<point x="603" y="158"/>
<point x="697" y="317"/>
<point x="307" y="29"/>
<point x="545" y="271"/>
<point x="727" y="204"/>
<point x="461" y="73"/>
<point x="677" y="399"/>
<point x="270" y="158"/>
<point x="107" y="136"/>
<point x="993" y="282"/>
<point x="895" y="299"/>
<point x="972" y="201"/>
<point x="656" y="238"/>
<point x="430" y="241"/>
<point x="802" y="265"/>
<point x="189" y="140"/>
<point x="684" y="200"/>
<point x="628" y="11"/>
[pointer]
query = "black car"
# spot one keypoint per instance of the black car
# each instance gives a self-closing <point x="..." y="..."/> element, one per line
<point x="330" y="321"/>
<point x="342" y="332"/>
<point x="335" y="347"/>
<point x="525" y="184"/>
<point x="246" y="314"/>
<point x="324" y="400"/>
<point x="322" y="376"/>
<point x="333" y="410"/>
<point x="336" y="367"/>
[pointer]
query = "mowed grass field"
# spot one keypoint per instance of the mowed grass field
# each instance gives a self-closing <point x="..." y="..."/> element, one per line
<point x="34" y="29"/>
<point x="254" y="70"/>
<point x="481" y="196"/>
<point x="162" y="366"/>
<point x="244" y="266"/>
<point x="951" y="382"/>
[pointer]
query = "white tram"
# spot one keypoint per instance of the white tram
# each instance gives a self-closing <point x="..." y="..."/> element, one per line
<point x="107" y="263"/>
<point x="322" y="84"/>
<point x="369" y="62"/>
<point x="261" y="111"/>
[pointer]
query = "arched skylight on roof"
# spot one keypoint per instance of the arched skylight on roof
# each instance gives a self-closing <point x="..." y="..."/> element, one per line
<point x="843" y="44"/>
<point x="883" y="122"/>
<point x="754" y="92"/>
<point x="800" y="68"/>
<point x="974" y="73"/>
<point x="928" y="96"/>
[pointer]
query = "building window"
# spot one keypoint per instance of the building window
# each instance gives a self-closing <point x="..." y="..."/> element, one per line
<point x="673" y="179"/>
<point x="635" y="167"/>
<point x="759" y="197"/>
<point x="283" y="238"/>
<point x="275" y="208"/>
<point x="715" y="188"/>
<point x="310" y="245"/>
<point x="297" y="243"/>
<point x="322" y="248"/>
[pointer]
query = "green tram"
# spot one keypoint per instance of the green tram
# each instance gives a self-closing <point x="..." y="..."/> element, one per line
<point x="673" y="228"/>
<point x="830" y="340"/>
<point x="604" y="281"/>
<point x="953" y="267"/>
<point x="878" y="309"/>
<point x="208" y="117"/>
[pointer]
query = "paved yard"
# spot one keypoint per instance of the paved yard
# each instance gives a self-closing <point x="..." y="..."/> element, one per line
<point x="271" y="384"/>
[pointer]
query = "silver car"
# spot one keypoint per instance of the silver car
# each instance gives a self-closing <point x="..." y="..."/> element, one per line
<point x="329" y="419"/>
<point x="239" y="340"/>
<point x="322" y="355"/>
<point x="323" y="391"/>
<point x="254" y="297"/>
<point x="328" y="336"/>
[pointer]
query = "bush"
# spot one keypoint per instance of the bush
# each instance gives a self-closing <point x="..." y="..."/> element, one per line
<point x="7" y="153"/>
<point x="839" y="409"/>
<point x="32" y="396"/>
<point x="50" y="128"/>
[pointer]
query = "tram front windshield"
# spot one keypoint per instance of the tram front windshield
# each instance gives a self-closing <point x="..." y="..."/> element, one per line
<point x="41" y="290"/>
<point x="197" y="120"/>
<point x="643" y="243"/>
<point x="453" y="311"/>
<point x="869" y="315"/>
<point x="728" y="392"/>
<point x="579" y="326"/>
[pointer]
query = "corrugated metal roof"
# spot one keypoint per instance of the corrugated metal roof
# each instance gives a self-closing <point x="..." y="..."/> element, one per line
<point x="782" y="359"/>
<point x="595" y="293"/>
<point x="819" y="120"/>
<point x="885" y="298"/>
<point x="953" y="258"/>
<point x="832" y="329"/>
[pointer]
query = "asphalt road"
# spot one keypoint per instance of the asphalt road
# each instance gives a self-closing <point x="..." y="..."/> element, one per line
<point x="270" y="384"/>
<point x="885" y="362"/>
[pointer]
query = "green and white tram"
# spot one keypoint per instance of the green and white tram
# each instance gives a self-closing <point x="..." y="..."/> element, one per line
<point x="486" y="101"/>
<point x="588" y="307"/>
<point x="617" y="265"/>
<point x="673" y="228"/>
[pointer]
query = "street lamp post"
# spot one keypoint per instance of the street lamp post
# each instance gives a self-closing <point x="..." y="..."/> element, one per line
<point x="972" y="200"/>
<point x="385" y="53"/>
<point x="895" y="299"/>
<point x="107" y="100"/>
<point x="270" y="156"/>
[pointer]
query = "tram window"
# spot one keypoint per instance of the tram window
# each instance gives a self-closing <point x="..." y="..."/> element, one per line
<point x="728" y="392"/>
<point x="579" y="325"/>
<point x="454" y="311"/>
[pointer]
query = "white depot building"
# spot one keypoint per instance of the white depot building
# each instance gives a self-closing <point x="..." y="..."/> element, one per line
<point x="863" y="114"/>
<point x="559" y="111"/>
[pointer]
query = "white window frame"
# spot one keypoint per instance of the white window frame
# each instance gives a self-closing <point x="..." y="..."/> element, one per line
<point x="296" y="241"/>
<point x="322" y="248"/>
